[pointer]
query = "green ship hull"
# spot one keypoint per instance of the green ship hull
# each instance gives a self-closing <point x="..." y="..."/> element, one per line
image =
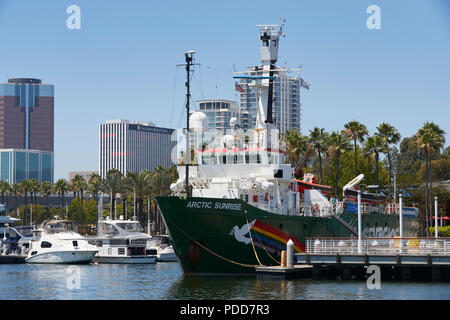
<point x="230" y="237"/>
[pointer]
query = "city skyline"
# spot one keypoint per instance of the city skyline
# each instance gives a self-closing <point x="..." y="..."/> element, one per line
<point x="127" y="69"/>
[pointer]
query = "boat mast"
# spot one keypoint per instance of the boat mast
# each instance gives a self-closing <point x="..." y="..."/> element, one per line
<point x="188" y="57"/>
<point x="269" y="43"/>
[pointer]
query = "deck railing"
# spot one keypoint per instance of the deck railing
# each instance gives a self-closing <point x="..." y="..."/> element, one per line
<point x="412" y="246"/>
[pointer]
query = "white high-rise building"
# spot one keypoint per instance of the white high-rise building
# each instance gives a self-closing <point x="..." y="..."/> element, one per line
<point x="133" y="146"/>
<point x="286" y="106"/>
<point x="219" y="113"/>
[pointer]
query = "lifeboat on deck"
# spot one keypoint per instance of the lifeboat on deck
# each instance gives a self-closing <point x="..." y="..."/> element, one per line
<point x="309" y="182"/>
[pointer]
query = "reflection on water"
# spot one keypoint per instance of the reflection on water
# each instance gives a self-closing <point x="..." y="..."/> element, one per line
<point x="166" y="281"/>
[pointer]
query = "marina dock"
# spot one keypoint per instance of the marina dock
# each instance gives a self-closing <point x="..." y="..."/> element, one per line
<point x="12" y="259"/>
<point x="424" y="259"/>
<point x="299" y="271"/>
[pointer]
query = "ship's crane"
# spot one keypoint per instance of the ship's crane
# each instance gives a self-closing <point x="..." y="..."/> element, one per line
<point x="353" y="183"/>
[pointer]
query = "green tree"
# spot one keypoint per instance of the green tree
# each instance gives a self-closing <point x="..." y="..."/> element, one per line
<point x="25" y="187"/>
<point x="298" y="147"/>
<point x="391" y="136"/>
<point x="112" y="185"/>
<point x="15" y="190"/>
<point x="338" y="143"/>
<point x="46" y="191"/>
<point x="79" y="185"/>
<point x="357" y="131"/>
<point x="139" y="184"/>
<point x="61" y="187"/>
<point x="318" y="138"/>
<point x="34" y="189"/>
<point x="429" y="138"/>
<point x="373" y="146"/>
<point x="4" y="189"/>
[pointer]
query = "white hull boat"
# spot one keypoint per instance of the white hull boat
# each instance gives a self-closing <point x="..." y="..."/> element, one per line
<point x="126" y="260"/>
<point x="167" y="255"/>
<point x="161" y="246"/>
<point x="70" y="257"/>
<point x="58" y="241"/>
<point x="122" y="242"/>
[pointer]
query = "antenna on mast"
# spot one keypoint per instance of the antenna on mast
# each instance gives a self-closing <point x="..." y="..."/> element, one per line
<point x="189" y="62"/>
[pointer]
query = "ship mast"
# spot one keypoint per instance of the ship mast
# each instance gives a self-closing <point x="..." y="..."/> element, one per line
<point x="188" y="57"/>
<point x="269" y="36"/>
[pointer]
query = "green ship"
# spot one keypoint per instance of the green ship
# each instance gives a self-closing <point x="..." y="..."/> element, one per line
<point x="243" y="203"/>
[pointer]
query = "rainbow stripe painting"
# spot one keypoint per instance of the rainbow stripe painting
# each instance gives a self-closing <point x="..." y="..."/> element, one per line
<point x="272" y="239"/>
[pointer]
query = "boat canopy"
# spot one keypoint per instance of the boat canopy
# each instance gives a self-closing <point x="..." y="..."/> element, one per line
<point x="56" y="226"/>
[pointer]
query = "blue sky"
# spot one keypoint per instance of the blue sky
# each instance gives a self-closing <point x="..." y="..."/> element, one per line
<point x="121" y="64"/>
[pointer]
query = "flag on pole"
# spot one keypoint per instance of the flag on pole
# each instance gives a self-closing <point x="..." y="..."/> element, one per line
<point x="304" y="84"/>
<point x="239" y="88"/>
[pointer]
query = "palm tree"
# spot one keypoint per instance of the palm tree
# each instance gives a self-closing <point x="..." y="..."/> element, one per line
<point x="139" y="183"/>
<point x="112" y="185"/>
<point x="46" y="190"/>
<point x="373" y="146"/>
<point x="391" y="136"/>
<point x="429" y="138"/>
<point x="25" y="186"/>
<point x="14" y="190"/>
<point x="161" y="178"/>
<point x="317" y="138"/>
<point x="95" y="184"/>
<point x="61" y="187"/>
<point x="4" y="189"/>
<point x="338" y="142"/>
<point x="34" y="189"/>
<point x="357" y="131"/>
<point x="299" y="147"/>
<point x="79" y="185"/>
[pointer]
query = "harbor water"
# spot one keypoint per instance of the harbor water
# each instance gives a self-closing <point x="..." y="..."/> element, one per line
<point x="165" y="281"/>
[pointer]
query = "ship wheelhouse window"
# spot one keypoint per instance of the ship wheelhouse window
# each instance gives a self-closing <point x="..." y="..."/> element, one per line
<point x="209" y="159"/>
<point x="235" y="159"/>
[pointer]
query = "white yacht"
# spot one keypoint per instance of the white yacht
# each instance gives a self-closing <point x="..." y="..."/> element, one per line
<point x="5" y="220"/>
<point x="122" y="241"/>
<point x="162" y="247"/>
<point x="58" y="241"/>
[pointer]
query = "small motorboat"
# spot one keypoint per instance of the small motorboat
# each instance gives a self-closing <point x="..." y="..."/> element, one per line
<point x="58" y="241"/>
<point x="122" y="241"/>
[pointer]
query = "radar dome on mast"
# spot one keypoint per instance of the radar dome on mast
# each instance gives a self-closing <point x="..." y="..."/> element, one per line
<point x="198" y="121"/>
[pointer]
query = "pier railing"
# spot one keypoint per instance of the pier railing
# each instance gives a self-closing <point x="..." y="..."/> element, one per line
<point x="388" y="246"/>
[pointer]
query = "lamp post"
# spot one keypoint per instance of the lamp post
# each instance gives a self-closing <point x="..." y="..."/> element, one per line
<point x="359" y="223"/>
<point x="134" y="203"/>
<point x="111" y="203"/>
<point x="435" y="217"/>
<point x="400" y="217"/>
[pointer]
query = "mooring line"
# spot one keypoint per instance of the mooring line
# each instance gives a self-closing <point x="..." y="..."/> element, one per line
<point x="210" y="251"/>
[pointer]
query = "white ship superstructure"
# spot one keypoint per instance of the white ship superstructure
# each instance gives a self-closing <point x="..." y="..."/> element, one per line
<point x="248" y="165"/>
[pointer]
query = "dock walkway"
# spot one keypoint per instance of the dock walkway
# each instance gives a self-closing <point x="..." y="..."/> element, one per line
<point x="405" y="259"/>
